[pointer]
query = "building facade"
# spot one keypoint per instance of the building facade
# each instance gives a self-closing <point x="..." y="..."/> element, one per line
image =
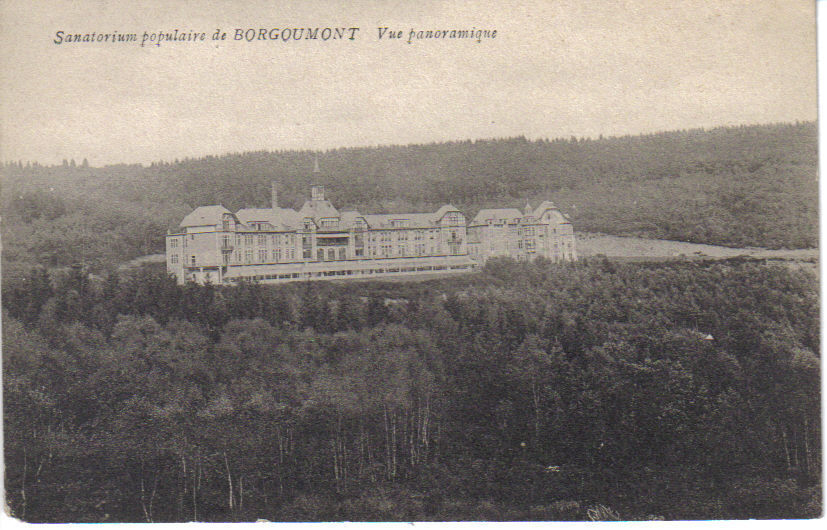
<point x="274" y="244"/>
<point x="215" y="245"/>
<point x="543" y="231"/>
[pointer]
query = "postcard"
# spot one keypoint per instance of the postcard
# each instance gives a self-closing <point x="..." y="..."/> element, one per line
<point x="420" y="262"/>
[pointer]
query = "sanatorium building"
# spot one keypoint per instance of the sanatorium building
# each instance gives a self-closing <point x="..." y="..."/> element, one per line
<point x="215" y="245"/>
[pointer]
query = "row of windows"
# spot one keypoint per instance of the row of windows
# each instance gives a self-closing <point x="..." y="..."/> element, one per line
<point x="263" y="239"/>
<point x="402" y="235"/>
<point x="264" y="255"/>
<point x="418" y="249"/>
<point x="318" y="274"/>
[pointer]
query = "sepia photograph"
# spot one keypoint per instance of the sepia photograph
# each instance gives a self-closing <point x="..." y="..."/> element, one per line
<point x="386" y="261"/>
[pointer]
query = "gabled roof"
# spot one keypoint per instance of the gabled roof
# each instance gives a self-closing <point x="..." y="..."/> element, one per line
<point x="496" y="213"/>
<point x="548" y="205"/>
<point x="545" y="205"/>
<point x="205" y="216"/>
<point x="318" y="209"/>
<point x="443" y="210"/>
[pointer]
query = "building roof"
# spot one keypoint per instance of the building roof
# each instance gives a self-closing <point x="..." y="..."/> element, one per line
<point x="443" y="210"/>
<point x="415" y="220"/>
<point x="280" y="218"/>
<point x="548" y="205"/>
<point x="205" y="216"/>
<point x="348" y="218"/>
<point x="496" y="213"/>
<point x="318" y="209"/>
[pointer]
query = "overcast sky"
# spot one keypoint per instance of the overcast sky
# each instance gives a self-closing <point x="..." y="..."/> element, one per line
<point x="555" y="68"/>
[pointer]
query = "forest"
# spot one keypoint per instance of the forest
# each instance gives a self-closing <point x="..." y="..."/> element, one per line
<point x="529" y="391"/>
<point x="734" y="186"/>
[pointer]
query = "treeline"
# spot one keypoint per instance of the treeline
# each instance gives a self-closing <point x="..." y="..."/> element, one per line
<point x="736" y="186"/>
<point x="533" y="391"/>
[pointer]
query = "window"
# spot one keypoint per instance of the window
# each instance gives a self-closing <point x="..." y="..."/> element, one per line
<point x="173" y="258"/>
<point x="193" y="261"/>
<point x="292" y="254"/>
<point x="262" y="240"/>
<point x="360" y="252"/>
<point x="248" y="239"/>
<point x="262" y="255"/>
<point x="225" y="224"/>
<point x="248" y="255"/>
<point x="225" y="241"/>
<point x="402" y="250"/>
<point x="192" y="236"/>
<point x="276" y="254"/>
<point x="331" y="254"/>
<point x="173" y="243"/>
<point x="342" y="253"/>
<point x="453" y="218"/>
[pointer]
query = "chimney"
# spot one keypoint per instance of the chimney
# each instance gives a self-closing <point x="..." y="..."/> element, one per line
<point x="274" y="195"/>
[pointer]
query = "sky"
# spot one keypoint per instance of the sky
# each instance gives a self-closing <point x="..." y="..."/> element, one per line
<point x="554" y="69"/>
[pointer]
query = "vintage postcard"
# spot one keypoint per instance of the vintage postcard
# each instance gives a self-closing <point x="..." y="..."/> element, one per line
<point x="394" y="261"/>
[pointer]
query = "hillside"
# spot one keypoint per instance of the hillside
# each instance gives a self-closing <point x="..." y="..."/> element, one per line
<point x="736" y="186"/>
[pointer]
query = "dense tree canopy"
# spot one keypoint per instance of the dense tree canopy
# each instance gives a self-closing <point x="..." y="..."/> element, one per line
<point x="683" y="390"/>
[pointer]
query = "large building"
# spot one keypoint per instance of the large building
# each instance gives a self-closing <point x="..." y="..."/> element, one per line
<point x="543" y="231"/>
<point x="215" y="245"/>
